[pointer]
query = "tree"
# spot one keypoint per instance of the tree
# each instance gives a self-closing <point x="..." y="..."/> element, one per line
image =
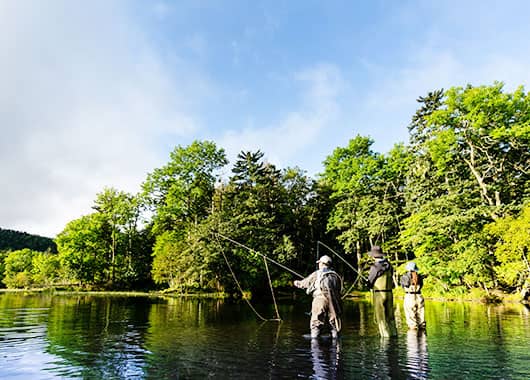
<point x="471" y="162"/>
<point x="18" y="266"/>
<point x="356" y="178"/>
<point x="181" y="191"/>
<point x="510" y="235"/>
<point x="119" y="213"/>
<point x="46" y="268"/>
<point x="489" y="131"/>
<point x="83" y="249"/>
<point x="181" y="196"/>
<point x="253" y="206"/>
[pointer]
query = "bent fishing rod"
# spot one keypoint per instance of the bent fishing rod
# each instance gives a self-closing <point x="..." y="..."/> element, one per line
<point x="344" y="260"/>
<point x="258" y="253"/>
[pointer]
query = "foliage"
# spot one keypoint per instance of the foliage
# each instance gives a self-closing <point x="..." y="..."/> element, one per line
<point x="181" y="191"/>
<point x="46" y="269"/>
<point x="471" y="162"/>
<point x="14" y="240"/>
<point x="453" y="199"/>
<point x="18" y="266"/>
<point x="512" y="247"/>
<point x="367" y="188"/>
<point x="83" y="249"/>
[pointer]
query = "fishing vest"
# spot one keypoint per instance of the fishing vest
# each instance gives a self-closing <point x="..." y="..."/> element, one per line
<point x="408" y="287"/>
<point x="325" y="280"/>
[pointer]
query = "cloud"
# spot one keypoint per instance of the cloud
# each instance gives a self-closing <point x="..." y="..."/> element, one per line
<point x="299" y="129"/>
<point x="390" y="100"/>
<point x="84" y="102"/>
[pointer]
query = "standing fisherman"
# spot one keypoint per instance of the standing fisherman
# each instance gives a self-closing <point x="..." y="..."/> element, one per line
<point x="381" y="282"/>
<point x="325" y="286"/>
<point x="414" y="304"/>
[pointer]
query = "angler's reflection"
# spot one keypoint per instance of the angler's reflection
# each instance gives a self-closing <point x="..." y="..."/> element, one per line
<point x="417" y="355"/>
<point x="326" y="359"/>
<point x="390" y="367"/>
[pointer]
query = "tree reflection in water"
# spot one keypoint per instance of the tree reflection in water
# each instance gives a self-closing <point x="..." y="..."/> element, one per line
<point x="114" y="337"/>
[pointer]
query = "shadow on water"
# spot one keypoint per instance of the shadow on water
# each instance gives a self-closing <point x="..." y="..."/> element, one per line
<point x="102" y="337"/>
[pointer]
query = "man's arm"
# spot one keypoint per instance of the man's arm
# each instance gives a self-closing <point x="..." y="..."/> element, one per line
<point x="306" y="282"/>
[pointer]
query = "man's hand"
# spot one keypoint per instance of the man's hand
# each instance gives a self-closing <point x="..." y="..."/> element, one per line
<point x="296" y="283"/>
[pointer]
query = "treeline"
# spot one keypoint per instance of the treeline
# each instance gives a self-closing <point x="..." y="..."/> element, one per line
<point x="455" y="198"/>
<point x="13" y="240"/>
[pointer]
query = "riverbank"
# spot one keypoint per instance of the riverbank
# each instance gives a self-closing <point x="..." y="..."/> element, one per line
<point x="473" y="295"/>
<point x="116" y="293"/>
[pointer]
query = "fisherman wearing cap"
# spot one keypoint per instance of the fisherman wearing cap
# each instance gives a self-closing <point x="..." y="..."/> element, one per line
<point x="381" y="282"/>
<point x="325" y="286"/>
<point x="413" y="303"/>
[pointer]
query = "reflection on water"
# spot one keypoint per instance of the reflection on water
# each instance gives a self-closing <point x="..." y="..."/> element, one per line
<point x="325" y="355"/>
<point x="97" y="337"/>
<point x="417" y="355"/>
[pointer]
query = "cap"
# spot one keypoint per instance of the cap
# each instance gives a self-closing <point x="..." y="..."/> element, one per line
<point x="411" y="266"/>
<point x="324" y="260"/>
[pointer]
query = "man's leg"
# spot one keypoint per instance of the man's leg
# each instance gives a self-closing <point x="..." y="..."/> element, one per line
<point x="318" y="314"/>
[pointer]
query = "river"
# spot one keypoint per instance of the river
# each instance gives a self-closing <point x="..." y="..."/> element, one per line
<point x="117" y="337"/>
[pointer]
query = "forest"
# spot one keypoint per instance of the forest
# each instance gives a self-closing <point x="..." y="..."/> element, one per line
<point x="455" y="198"/>
<point x="13" y="240"/>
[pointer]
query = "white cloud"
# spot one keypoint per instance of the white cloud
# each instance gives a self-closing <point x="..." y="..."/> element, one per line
<point x="390" y="101"/>
<point x="83" y="101"/>
<point x="297" y="130"/>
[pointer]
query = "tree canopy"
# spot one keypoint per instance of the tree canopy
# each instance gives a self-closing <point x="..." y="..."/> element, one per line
<point x="454" y="198"/>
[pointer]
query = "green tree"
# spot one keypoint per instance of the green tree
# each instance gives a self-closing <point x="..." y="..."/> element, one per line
<point x="256" y="209"/>
<point x="119" y="213"/>
<point x="18" y="267"/>
<point x="511" y="235"/>
<point x="181" y="197"/>
<point x="181" y="191"/>
<point x="488" y="130"/>
<point x="46" y="268"/>
<point x="365" y="196"/>
<point x="83" y="249"/>
<point x="471" y="162"/>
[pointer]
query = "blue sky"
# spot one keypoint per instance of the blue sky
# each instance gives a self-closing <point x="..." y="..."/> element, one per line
<point x="98" y="93"/>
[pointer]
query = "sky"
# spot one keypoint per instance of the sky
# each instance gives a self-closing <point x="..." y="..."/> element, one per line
<point x="96" y="94"/>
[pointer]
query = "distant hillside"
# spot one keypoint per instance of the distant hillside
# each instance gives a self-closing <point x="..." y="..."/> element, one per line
<point x="14" y="240"/>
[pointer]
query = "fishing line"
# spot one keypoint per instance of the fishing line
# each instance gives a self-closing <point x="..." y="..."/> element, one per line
<point x="340" y="257"/>
<point x="272" y="290"/>
<point x="359" y="275"/>
<point x="261" y="254"/>
<point x="241" y="289"/>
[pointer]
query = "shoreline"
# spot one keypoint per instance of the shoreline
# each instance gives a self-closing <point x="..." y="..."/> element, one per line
<point x="497" y="298"/>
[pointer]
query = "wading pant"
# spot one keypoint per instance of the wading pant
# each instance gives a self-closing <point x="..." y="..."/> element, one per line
<point x="384" y="313"/>
<point x="320" y="314"/>
<point x="414" y="306"/>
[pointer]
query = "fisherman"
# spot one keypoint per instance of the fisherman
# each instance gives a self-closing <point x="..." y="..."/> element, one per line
<point x="414" y="304"/>
<point x="381" y="282"/>
<point x="325" y="285"/>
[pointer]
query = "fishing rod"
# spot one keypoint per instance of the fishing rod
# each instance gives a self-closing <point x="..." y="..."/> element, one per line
<point x="261" y="254"/>
<point x="340" y="257"/>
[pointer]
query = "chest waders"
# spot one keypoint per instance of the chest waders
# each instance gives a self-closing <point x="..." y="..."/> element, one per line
<point x="413" y="304"/>
<point x="384" y="305"/>
<point x="326" y="307"/>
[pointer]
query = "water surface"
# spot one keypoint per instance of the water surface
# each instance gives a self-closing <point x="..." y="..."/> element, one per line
<point x="113" y="337"/>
